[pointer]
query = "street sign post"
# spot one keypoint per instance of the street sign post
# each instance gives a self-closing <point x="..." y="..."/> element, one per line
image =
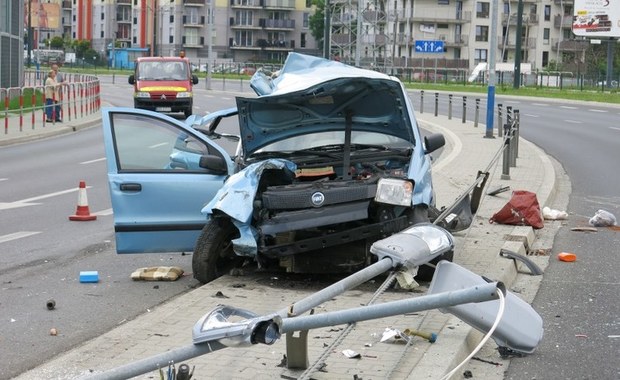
<point x="429" y="46"/>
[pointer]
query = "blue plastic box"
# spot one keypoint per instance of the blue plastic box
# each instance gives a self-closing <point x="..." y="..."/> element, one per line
<point x="89" y="276"/>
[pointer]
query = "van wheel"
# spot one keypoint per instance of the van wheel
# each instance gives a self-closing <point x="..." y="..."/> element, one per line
<point x="188" y="113"/>
<point x="214" y="256"/>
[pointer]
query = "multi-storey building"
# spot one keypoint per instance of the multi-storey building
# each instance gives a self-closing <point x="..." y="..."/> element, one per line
<point x="386" y="31"/>
<point x="11" y="43"/>
<point x="379" y="33"/>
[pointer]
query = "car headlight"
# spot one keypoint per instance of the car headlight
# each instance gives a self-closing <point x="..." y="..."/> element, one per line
<point x="142" y="94"/>
<point x="184" y="94"/>
<point x="394" y="191"/>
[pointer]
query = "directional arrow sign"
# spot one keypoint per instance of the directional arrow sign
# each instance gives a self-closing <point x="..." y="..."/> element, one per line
<point x="428" y="46"/>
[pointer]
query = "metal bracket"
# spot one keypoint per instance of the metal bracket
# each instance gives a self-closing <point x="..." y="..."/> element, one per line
<point x="534" y="269"/>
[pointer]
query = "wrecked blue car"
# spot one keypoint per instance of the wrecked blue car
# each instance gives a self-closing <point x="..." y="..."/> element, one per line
<point x="327" y="160"/>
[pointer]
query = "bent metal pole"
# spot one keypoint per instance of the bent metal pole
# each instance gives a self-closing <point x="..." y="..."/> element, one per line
<point x="478" y="293"/>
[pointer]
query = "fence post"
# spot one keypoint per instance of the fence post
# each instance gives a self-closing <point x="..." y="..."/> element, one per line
<point x="422" y="101"/>
<point x="450" y="107"/>
<point x="464" y="108"/>
<point x="515" y="151"/>
<point x="477" y="112"/>
<point x="506" y="155"/>
<point x="500" y="126"/>
<point x="436" y="103"/>
<point x="509" y="115"/>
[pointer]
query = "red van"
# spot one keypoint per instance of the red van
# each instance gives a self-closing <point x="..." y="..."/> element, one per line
<point x="163" y="84"/>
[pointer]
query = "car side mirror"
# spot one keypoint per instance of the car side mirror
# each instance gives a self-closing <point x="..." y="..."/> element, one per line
<point x="215" y="164"/>
<point x="131" y="79"/>
<point x="194" y="79"/>
<point x="434" y="142"/>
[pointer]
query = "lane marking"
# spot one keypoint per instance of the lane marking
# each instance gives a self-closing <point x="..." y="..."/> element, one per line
<point x="595" y="110"/>
<point x="4" y="179"/>
<point x="574" y="121"/>
<point x="540" y="104"/>
<point x="158" y="145"/>
<point x="17" y="235"/>
<point x="92" y="161"/>
<point x="32" y="201"/>
<point x="569" y="107"/>
<point x="105" y="212"/>
<point x="530" y="115"/>
<point x="616" y="128"/>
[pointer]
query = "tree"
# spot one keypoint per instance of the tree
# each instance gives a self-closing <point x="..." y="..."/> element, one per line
<point x="57" y="43"/>
<point x="80" y="47"/>
<point x="317" y="21"/>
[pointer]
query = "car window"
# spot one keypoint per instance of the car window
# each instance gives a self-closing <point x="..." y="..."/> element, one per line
<point x="145" y="143"/>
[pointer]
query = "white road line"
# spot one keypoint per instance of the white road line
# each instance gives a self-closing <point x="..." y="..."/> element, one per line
<point x="4" y="179"/>
<point x="530" y="115"/>
<point x="30" y="201"/>
<point x="574" y="121"/>
<point x="595" y="110"/>
<point x="158" y="145"/>
<point x="105" y="212"/>
<point x="17" y="235"/>
<point x="569" y="107"/>
<point x="91" y="161"/>
<point x="541" y="104"/>
<point x="616" y="128"/>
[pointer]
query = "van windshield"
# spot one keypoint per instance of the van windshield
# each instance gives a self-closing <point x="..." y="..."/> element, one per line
<point x="154" y="70"/>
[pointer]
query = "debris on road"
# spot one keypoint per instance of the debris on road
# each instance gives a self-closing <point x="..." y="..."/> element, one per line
<point x="89" y="276"/>
<point x="522" y="209"/>
<point x="157" y="274"/>
<point x="567" y="256"/>
<point x="53" y="331"/>
<point x="584" y="229"/>
<point x="603" y="218"/>
<point x="351" y="354"/>
<point x="553" y="214"/>
<point x="50" y="304"/>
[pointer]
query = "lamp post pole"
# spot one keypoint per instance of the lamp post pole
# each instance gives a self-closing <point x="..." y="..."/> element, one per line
<point x="517" y="70"/>
<point x="491" y="86"/>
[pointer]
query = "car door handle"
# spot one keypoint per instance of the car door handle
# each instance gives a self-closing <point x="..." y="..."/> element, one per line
<point x="131" y="187"/>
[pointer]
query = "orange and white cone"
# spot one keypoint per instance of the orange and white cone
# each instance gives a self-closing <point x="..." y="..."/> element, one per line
<point x="82" y="213"/>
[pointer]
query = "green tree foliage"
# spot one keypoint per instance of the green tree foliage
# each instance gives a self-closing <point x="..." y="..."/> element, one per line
<point x="57" y="43"/>
<point x="317" y="21"/>
<point x="80" y="47"/>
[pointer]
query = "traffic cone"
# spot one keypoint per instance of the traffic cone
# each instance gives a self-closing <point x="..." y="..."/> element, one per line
<point x="82" y="213"/>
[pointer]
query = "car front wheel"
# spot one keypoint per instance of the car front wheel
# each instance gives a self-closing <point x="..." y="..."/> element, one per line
<point x="213" y="254"/>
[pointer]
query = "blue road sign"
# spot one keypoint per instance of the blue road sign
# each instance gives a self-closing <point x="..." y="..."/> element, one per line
<point x="428" y="46"/>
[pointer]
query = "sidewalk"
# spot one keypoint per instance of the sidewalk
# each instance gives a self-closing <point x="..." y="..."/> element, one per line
<point x="170" y="325"/>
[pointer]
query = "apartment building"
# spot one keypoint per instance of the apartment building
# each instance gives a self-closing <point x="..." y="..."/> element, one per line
<point x="379" y="33"/>
<point x="389" y="30"/>
<point x="11" y="43"/>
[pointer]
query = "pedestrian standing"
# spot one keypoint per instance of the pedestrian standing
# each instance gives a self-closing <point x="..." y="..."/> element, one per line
<point x="60" y="79"/>
<point x="52" y="94"/>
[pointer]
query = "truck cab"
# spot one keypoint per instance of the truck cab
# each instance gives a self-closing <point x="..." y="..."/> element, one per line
<point x="163" y="84"/>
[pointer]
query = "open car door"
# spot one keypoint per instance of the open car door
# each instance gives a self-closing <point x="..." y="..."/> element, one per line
<point x="158" y="179"/>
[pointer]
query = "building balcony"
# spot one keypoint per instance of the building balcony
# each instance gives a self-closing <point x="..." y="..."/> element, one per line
<point x="242" y="25"/>
<point x="454" y="41"/>
<point x="120" y="2"/>
<point x="563" y="2"/>
<point x="281" y="45"/>
<point x="343" y="38"/>
<point x="276" y="24"/>
<point x="246" y="4"/>
<point x="66" y="4"/>
<point x="278" y="4"/>
<point x="569" y="45"/>
<point x="374" y="16"/>
<point x="195" y="3"/>
<point x="527" y="19"/>
<point x="194" y="42"/>
<point x="195" y="21"/>
<point x="437" y="16"/>
<point x="526" y="43"/>
<point x="565" y="21"/>
<point x="375" y="39"/>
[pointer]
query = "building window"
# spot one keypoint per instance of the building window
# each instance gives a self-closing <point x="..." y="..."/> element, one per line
<point x="443" y="2"/>
<point x="102" y="35"/>
<point x="102" y="16"/>
<point x="546" y="33"/>
<point x="172" y="19"/>
<point x="302" y="40"/>
<point x="243" y="38"/>
<point x="308" y="3"/>
<point x="547" y="12"/>
<point x="480" y="55"/>
<point x="482" y="9"/>
<point x="135" y="21"/>
<point x="482" y="33"/>
<point x="171" y="39"/>
<point x="306" y="21"/>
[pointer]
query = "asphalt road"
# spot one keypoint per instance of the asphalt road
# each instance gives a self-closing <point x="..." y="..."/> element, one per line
<point x="43" y="252"/>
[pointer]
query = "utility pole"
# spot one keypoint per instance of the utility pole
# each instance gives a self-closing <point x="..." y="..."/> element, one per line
<point x="210" y="64"/>
<point x="327" y="27"/>
<point x="29" y="33"/>
<point x="491" y="86"/>
<point x="517" y="70"/>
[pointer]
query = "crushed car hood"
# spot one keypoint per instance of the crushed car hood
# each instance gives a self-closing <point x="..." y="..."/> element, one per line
<point x="310" y="95"/>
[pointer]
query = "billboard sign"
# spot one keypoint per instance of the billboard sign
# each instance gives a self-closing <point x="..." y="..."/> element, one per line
<point x="596" y="18"/>
<point x="43" y="15"/>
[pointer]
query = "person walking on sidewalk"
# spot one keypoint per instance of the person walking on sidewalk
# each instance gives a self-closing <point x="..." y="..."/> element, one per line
<point x="52" y="94"/>
<point x="60" y="79"/>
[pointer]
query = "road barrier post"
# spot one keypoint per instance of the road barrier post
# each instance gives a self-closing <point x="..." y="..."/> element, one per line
<point x="477" y="113"/>
<point x="500" y="126"/>
<point x="506" y="155"/>
<point x="450" y="107"/>
<point x="422" y="101"/>
<point x="436" y="103"/>
<point x="464" y="109"/>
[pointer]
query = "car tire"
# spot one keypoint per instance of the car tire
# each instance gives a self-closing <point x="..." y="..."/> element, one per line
<point x="213" y="254"/>
<point x="188" y="112"/>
